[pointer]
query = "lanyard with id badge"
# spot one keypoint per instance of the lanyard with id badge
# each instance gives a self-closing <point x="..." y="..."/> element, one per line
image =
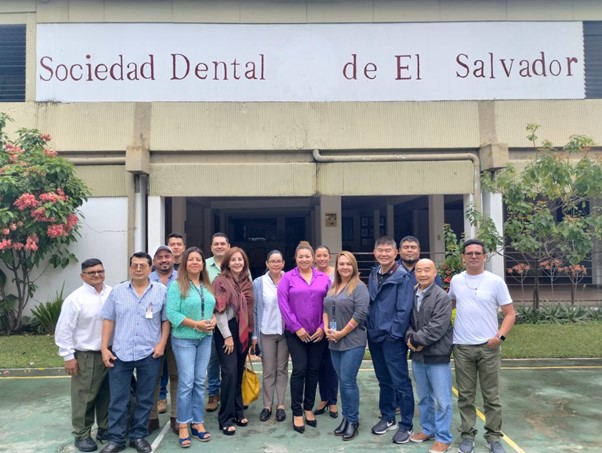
<point x="333" y="323"/>
<point x="200" y="291"/>
<point x="149" y="311"/>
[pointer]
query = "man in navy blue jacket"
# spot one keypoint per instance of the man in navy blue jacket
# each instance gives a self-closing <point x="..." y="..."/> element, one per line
<point x="391" y="301"/>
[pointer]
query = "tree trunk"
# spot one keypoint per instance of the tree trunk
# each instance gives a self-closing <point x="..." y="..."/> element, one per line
<point x="536" y="296"/>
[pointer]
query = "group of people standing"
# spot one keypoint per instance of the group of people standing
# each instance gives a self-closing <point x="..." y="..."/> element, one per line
<point x="322" y="316"/>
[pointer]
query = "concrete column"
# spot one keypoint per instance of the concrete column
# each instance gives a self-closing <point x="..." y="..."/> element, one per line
<point x="330" y="223"/>
<point x="156" y="222"/>
<point x="140" y="225"/>
<point x="436" y="221"/>
<point x="469" y="230"/>
<point x="178" y="217"/>
<point x="493" y="207"/>
<point x="390" y="220"/>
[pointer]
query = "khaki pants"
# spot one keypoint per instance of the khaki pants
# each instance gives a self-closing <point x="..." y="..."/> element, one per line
<point x="480" y="362"/>
<point x="274" y="360"/>
<point x="172" y="369"/>
<point x="89" y="394"/>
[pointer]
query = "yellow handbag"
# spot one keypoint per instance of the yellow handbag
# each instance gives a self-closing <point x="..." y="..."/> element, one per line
<point x="250" y="383"/>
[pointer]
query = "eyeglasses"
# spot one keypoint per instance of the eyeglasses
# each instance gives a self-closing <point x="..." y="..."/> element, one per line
<point x="474" y="253"/>
<point x="140" y="266"/>
<point x="94" y="273"/>
<point x="275" y="262"/>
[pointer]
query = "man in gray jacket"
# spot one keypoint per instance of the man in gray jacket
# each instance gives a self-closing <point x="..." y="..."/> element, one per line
<point x="430" y="339"/>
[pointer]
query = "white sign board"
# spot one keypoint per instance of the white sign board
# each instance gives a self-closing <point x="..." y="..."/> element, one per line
<point x="309" y="62"/>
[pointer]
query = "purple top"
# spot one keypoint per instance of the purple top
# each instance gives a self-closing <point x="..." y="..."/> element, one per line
<point x="301" y="304"/>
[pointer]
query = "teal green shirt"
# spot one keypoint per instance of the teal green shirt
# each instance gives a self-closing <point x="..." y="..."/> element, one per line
<point x="179" y="308"/>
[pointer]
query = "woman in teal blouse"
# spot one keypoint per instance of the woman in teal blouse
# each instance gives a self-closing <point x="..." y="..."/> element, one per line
<point x="190" y="305"/>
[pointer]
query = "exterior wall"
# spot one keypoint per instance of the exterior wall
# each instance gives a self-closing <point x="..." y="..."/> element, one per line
<point x="251" y="137"/>
<point x="103" y="236"/>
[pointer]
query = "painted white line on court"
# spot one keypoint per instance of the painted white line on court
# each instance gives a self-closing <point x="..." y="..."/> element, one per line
<point x="160" y="437"/>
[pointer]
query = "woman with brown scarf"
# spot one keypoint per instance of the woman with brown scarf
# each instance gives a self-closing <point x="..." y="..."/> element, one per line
<point x="234" y="306"/>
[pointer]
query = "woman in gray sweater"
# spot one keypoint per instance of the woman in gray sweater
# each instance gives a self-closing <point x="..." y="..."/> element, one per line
<point x="345" y="308"/>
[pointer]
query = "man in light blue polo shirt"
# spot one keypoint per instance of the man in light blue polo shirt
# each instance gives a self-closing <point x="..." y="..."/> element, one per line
<point x="134" y="317"/>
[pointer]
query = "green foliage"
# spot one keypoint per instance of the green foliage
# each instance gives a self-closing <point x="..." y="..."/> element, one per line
<point x="45" y="316"/>
<point x="452" y="264"/>
<point x="547" y="216"/>
<point x="557" y="314"/>
<point x="39" y="199"/>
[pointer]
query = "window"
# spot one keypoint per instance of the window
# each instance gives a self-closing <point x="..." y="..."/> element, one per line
<point x="592" y="42"/>
<point x="12" y="63"/>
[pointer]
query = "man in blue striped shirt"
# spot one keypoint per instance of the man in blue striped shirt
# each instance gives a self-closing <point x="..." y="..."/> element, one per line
<point x="134" y="318"/>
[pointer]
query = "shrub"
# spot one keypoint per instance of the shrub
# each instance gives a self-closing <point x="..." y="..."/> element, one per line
<point x="45" y="316"/>
<point x="557" y="314"/>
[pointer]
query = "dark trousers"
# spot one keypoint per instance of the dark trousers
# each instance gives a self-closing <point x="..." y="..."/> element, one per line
<point x="89" y="394"/>
<point x="120" y="376"/>
<point x="390" y="360"/>
<point x="306" y="358"/>
<point x="233" y="364"/>
<point x="328" y="381"/>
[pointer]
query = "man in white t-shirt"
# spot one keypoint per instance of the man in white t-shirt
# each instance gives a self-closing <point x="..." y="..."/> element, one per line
<point x="477" y="295"/>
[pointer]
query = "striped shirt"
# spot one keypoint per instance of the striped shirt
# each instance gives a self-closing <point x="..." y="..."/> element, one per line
<point x="135" y="336"/>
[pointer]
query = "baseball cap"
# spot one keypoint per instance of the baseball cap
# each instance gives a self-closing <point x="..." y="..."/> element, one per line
<point x="162" y="248"/>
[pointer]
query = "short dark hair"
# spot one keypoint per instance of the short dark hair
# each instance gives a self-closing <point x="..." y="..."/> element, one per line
<point x="91" y="262"/>
<point x="385" y="240"/>
<point x="174" y="235"/>
<point x="219" y="234"/>
<point x="409" y="239"/>
<point x="473" y="242"/>
<point x="142" y="255"/>
<point x="272" y="253"/>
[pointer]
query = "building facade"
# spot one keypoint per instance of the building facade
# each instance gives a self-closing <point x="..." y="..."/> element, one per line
<point x="334" y="122"/>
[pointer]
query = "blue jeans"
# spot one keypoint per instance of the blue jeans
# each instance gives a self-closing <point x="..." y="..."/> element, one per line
<point x="390" y="360"/>
<point x="164" y="380"/>
<point x="213" y="372"/>
<point x="192" y="357"/>
<point x="120" y="376"/>
<point x="347" y="364"/>
<point x="433" y="384"/>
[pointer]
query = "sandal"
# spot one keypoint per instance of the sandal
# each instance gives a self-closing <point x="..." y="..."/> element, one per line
<point x="184" y="442"/>
<point x="203" y="436"/>
<point x="228" y="430"/>
<point x="242" y="421"/>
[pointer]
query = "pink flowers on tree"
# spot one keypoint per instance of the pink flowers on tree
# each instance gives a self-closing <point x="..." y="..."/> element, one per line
<point x="39" y="199"/>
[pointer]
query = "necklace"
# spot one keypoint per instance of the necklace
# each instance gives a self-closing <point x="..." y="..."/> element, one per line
<point x="475" y="289"/>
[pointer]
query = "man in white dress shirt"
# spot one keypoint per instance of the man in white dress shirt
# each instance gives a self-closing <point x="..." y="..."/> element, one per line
<point x="78" y="336"/>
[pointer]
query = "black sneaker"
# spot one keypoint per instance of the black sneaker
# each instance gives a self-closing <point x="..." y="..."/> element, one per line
<point x="402" y="436"/>
<point x="86" y="444"/>
<point x="383" y="426"/>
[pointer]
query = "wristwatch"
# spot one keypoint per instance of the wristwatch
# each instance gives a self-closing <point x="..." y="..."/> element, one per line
<point x="502" y="337"/>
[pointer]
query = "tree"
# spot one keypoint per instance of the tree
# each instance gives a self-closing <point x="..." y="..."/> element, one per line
<point x="549" y="215"/>
<point x="39" y="200"/>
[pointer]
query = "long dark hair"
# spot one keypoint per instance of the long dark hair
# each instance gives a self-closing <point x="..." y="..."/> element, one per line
<point x="183" y="279"/>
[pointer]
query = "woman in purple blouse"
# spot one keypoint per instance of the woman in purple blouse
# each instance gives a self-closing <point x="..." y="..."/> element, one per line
<point x="301" y="293"/>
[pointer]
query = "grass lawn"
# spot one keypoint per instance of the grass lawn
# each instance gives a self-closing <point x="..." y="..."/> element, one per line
<point x="554" y="341"/>
<point x="524" y="341"/>
<point x="29" y="351"/>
